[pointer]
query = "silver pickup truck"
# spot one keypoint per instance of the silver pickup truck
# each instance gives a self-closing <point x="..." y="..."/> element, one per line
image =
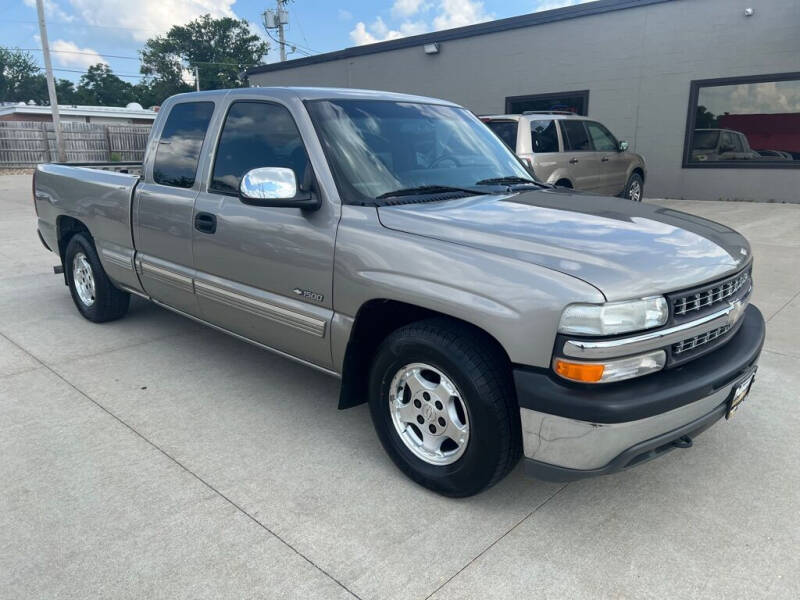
<point x="395" y="242"/>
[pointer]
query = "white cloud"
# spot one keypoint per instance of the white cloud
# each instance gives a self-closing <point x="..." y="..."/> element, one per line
<point x="377" y="31"/>
<point x="147" y="18"/>
<point x="51" y="9"/>
<point x="407" y="8"/>
<point x="345" y="15"/>
<point x="458" y="13"/>
<point x="449" y="14"/>
<point x="68" y="54"/>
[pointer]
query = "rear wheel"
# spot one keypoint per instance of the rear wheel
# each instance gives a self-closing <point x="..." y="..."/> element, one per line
<point x="92" y="291"/>
<point x="634" y="189"/>
<point x="444" y="408"/>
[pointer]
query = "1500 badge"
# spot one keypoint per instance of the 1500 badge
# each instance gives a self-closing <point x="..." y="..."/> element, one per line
<point x="308" y="295"/>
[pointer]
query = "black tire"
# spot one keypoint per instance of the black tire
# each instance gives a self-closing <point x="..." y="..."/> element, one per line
<point x="482" y="376"/>
<point x="633" y="181"/>
<point x="109" y="302"/>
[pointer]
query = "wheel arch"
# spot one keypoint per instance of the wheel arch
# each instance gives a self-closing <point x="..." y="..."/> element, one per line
<point x="374" y="321"/>
<point x="66" y="228"/>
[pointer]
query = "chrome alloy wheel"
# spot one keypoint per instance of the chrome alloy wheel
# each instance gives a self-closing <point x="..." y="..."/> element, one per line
<point x="83" y="278"/>
<point x="635" y="191"/>
<point x="429" y="414"/>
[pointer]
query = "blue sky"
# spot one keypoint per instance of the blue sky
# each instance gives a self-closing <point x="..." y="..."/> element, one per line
<point x="84" y="32"/>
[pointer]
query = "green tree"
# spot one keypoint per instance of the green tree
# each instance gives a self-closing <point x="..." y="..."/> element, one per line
<point x="705" y="119"/>
<point x="16" y="69"/>
<point x="221" y="49"/>
<point x="100" y="87"/>
<point x="21" y="80"/>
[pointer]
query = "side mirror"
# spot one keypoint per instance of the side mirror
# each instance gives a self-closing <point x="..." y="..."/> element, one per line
<point x="277" y="187"/>
<point x="623" y="146"/>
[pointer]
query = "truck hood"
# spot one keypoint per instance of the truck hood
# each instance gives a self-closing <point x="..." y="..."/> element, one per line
<point x="624" y="249"/>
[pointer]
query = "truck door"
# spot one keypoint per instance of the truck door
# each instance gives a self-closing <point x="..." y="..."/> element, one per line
<point x="264" y="273"/>
<point x="164" y="204"/>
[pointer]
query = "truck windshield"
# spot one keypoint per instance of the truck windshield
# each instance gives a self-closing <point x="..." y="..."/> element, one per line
<point x="376" y="147"/>
<point x="705" y="139"/>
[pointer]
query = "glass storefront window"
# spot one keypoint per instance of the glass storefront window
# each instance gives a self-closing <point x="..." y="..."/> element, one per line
<point x="744" y="122"/>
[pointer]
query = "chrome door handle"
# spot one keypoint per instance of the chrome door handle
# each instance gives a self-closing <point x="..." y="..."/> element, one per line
<point x="573" y="161"/>
<point x="604" y="159"/>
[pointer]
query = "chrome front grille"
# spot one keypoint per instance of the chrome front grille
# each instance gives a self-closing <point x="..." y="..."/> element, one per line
<point x="698" y="340"/>
<point x="710" y="295"/>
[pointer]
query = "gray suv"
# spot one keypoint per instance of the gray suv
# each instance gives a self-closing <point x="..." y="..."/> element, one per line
<point x="567" y="150"/>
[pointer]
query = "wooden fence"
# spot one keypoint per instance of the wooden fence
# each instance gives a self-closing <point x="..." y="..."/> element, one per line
<point x="26" y="144"/>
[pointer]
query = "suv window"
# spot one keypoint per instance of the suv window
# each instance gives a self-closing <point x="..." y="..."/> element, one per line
<point x="256" y="134"/>
<point x="575" y="134"/>
<point x="506" y="131"/>
<point x="181" y="141"/>
<point x="601" y="137"/>
<point x="544" y="137"/>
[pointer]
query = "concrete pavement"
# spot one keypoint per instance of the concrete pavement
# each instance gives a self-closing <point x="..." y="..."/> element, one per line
<point x="153" y="457"/>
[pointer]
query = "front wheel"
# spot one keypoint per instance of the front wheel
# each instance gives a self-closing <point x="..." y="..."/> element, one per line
<point x="444" y="408"/>
<point x="92" y="291"/>
<point x="634" y="189"/>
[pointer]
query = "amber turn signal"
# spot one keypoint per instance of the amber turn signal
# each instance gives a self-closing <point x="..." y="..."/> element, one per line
<point x="590" y="373"/>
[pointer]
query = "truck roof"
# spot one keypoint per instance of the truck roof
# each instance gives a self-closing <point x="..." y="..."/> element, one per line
<point x="316" y="93"/>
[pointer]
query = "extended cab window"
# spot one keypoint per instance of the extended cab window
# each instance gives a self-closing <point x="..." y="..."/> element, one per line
<point x="543" y="136"/>
<point x="256" y="134"/>
<point x="181" y="141"/>
<point x="575" y="134"/>
<point x="506" y="131"/>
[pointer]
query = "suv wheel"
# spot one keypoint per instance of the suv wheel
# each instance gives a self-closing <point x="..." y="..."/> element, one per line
<point x="92" y="291"/>
<point x="443" y="405"/>
<point x="634" y="189"/>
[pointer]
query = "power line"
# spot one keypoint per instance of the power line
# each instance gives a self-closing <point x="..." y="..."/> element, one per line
<point x="83" y="72"/>
<point x="74" y="25"/>
<point x="104" y="55"/>
<point x="98" y="52"/>
<point x="291" y="44"/>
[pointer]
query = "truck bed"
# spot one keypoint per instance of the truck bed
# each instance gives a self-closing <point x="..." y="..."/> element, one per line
<point x="101" y="199"/>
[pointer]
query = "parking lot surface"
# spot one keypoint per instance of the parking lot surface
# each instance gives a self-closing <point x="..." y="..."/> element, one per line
<point x="152" y="457"/>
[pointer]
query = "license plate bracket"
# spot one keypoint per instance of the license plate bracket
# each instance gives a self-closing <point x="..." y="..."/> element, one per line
<point x="739" y="393"/>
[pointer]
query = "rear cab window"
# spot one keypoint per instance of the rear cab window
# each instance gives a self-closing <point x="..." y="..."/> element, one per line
<point x="575" y="137"/>
<point x="506" y="131"/>
<point x="180" y="144"/>
<point x="544" y="137"/>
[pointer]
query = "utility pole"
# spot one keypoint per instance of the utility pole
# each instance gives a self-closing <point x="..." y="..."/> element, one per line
<point x="51" y="84"/>
<point x="196" y="78"/>
<point x="281" y="40"/>
<point x="277" y="18"/>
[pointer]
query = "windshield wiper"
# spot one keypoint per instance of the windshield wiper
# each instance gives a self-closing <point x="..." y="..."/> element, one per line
<point x="508" y="180"/>
<point x="428" y="189"/>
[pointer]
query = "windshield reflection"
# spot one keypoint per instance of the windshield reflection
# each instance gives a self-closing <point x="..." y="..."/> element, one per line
<point x="376" y="147"/>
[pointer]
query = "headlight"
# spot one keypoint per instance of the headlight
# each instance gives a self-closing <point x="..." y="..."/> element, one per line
<point x="614" y="317"/>
<point x="610" y="370"/>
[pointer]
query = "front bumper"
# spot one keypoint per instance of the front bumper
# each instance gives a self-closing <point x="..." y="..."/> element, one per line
<point x="572" y="431"/>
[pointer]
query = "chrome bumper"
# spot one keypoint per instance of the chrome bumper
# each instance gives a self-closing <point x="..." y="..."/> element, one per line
<point x="585" y="446"/>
